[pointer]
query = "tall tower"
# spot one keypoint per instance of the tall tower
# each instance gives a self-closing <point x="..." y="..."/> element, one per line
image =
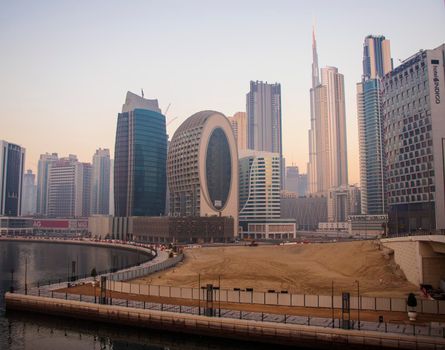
<point x="69" y="188"/>
<point x="312" y="164"/>
<point x="140" y="159"/>
<point x="376" y="64"/>
<point x="264" y="119"/>
<point x="100" y="182"/>
<point x="29" y="193"/>
<point x="335" y="103"/>
<point x="328" y="165"/>
<point x="239" y="127"/>
<point x="45" y="162"/>
<point x="12" y="160"/>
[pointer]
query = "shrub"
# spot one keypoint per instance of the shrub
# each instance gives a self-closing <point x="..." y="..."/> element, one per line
<point x="412" y="301"/>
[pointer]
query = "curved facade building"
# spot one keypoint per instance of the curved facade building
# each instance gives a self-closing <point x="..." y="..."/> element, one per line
<point x="203" y="168"/>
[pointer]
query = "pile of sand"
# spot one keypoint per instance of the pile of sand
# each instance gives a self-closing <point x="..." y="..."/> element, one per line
<point x="308" y="269"/>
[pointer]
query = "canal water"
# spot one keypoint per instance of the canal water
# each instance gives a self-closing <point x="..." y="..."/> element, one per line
<point x="52" y="261"/>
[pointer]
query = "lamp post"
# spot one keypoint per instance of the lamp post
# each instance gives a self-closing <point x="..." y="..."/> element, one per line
<point x="358" y="302"/>
<point x="332" y="304"/>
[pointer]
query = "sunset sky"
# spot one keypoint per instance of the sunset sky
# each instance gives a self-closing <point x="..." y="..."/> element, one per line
<point x="65" y="66"/>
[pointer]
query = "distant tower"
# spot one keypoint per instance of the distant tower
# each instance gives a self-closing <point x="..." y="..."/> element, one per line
<point x="328" y="164"/>
<point x="264" y="120"/>
<point x="239" y="127"/>
<point x="140" y="159"/>
<point x="100" y="182"/>
<point x="45" y="162"/>
<point x="12" y="160"/>
<point x="376" y="63"/>
<point x="29" y="194"/>
<point x="69" y="187"/>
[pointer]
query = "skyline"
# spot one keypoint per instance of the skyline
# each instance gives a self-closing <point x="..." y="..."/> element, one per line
<point x="83" y="66"/>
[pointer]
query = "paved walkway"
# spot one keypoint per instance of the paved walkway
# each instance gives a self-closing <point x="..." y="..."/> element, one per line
<point x="394" y="322"/>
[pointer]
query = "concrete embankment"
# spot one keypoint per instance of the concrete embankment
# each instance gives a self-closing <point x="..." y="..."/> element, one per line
<point x="103" y="244"/>
<point x="274" y="333"/>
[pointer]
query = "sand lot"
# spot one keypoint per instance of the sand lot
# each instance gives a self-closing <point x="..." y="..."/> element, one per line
<point x="308" y="269"/>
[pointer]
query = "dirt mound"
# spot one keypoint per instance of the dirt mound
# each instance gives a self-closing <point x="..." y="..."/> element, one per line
<point x="308" y="269"/>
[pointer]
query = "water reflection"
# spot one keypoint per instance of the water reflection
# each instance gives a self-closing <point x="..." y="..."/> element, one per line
<point x="41" y="332"/>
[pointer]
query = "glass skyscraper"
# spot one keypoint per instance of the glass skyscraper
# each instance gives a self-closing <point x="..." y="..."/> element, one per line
<point x="12" y="160"/>
<point x="140" y="159"/>
<point x="376" y="63"/>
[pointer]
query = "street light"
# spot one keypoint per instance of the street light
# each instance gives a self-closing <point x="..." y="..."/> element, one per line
<point x="358" y="302"/>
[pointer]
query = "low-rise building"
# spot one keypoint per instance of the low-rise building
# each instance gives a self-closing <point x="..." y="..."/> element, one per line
<point x="163" y="229"/>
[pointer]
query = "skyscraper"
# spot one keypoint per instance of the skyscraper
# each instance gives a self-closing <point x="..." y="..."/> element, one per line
<point x="259" y="185"/>
<point x="328" y="165"/>
<point x="239" y="127"/>
<point x="414" y="142"/>
<point x="43" y="167"/>
<point x="100" y="182"/>
<point x="264" y="119"/>
<point x="376" y="63"/>
<point x="69" y="187"/>
<point x="12" y="160"/>
<point x="29" y="194"/>
<point x="140" y="159"/>
<point x="203" y="168"/>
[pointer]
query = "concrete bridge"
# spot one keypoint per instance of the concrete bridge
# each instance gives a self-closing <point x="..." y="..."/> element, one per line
<point x="421" y="258"/>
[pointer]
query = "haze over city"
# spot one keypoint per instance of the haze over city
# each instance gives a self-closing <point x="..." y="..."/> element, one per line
<point x="66" y="66"/>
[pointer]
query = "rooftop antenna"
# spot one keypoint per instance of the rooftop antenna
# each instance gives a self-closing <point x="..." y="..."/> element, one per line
<point x="142" y="91"/>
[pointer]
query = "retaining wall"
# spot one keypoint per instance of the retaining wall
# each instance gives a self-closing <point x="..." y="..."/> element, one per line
<point x="277" y="333"/>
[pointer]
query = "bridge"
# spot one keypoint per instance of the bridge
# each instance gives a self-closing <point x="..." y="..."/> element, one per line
<point x="421" y="258"/>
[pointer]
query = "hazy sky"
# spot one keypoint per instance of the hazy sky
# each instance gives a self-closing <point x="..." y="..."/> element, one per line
<point x="65" y="66"/>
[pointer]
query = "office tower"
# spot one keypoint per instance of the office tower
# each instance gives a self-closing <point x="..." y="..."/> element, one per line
<point x="259" y="185"/>
<point x="29" y="194"/>
<point x="100" y="182"/>
<point x="292" y="179"/>
<point x="12" y="160"/>
<point x="342" y="202"/>
<point x="140" y="159"/>
<point x="295" y="182"/>
<point x="376" y="63"/>
<point x="69" y="187"/>
<point x="43" y="166"/>
<point x="302" y="185"/>
<point x="264" y="119"/>
<point x="414" y="133"/>
<point x="203" y="168"/>
<point x="239" y="127"/>
<point x="376" y="57"/>
<point x="83" y="192"/>
<point x="111" y="199"/>
<point x="327" y="167"/>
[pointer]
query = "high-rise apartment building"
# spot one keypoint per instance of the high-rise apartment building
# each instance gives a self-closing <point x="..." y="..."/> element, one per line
<point x="328" y="165"/>
<point x="43" y="167"/>
<point x="414" y="142"/>
<point x="100" y="182"/>
<point x="376" y="63"/>
<point x="239" y="127"/>
<point x="69" y="187"/>
<point x="203" y="168"/>
<point x="29" y="194"/>
<point x="264" y="120"/>
<point x="140" y="159"/>
<point x="12" y="161"/>
<point x="259" y="185"/>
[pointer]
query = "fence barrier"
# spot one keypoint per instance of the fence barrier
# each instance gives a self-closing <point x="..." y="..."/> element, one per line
<point x="436" y="307"/>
